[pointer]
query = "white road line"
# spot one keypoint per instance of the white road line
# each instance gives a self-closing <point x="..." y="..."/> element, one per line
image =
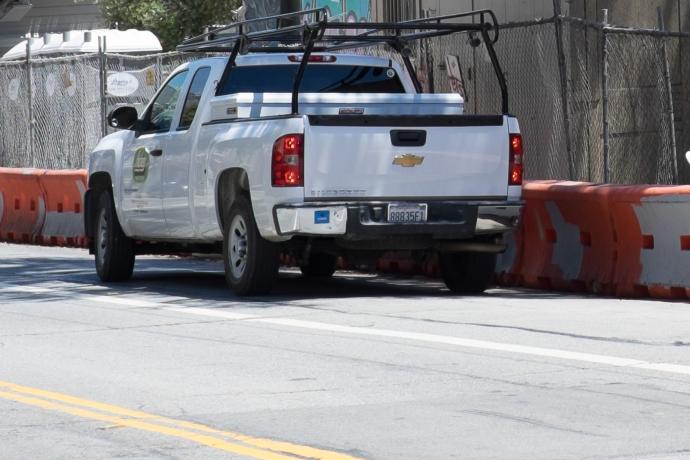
<point x="111" y="299"/>
<point x="466" y="343"/>
<point x="613" y="361"/>
<point x="26" y="289"/>
<point x="125" y="301"/>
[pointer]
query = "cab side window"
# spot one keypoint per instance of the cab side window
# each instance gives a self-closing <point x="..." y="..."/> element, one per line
<point x="160" y="115"/>
<point x="191" y="103"/>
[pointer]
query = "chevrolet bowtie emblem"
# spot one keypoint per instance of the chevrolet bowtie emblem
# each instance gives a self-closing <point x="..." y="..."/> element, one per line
<point x="408" y="160"/>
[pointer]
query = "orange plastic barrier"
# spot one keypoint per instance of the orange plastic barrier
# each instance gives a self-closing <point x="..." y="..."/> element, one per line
<point x="629" y="241"/>
<point x="535" y="265"/>
<point x="568" y="237"/>
<point x="509" y="263"/>
<point x="64" y="198"/>
<point x="22" y="208"/>
<point x="653" y="241"/>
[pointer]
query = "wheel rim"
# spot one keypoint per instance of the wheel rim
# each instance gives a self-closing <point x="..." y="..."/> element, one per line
<point x="102" y="238"/>
<point x="238" y="247"/>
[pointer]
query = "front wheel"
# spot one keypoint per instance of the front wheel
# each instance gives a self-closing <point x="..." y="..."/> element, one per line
<point x="251" y="262"/>
<point x="467" y="272"/>
<point x="114" y="251"/>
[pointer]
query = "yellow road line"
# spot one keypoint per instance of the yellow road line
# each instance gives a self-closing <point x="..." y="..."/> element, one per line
<point x="149" y="422"/>
<point x="145" y="426"/>
<point x="276" y="446"/>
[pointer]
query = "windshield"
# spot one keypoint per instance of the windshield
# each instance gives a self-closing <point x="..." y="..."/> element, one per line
<point x="318" y="78"/>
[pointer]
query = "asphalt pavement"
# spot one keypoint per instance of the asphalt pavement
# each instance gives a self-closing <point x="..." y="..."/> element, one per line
<point x="172" y="365"/>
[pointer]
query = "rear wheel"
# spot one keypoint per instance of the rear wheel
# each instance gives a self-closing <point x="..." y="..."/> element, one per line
<point x="319" y="265"/>
<point x="467" y="272"/>
<point x="114" y="251"/>
<point x="251" y="262"/>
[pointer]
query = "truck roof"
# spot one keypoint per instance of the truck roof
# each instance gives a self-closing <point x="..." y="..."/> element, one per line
<point x="261" y="59"/>
<point x="284" y="58"/>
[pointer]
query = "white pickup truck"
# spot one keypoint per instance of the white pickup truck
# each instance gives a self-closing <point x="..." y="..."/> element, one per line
<point x="231" y="157"/>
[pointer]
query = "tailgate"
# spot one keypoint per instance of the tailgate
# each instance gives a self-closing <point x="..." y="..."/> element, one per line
<point x="390" y="157"/>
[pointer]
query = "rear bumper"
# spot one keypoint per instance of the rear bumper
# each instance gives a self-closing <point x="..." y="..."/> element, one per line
<point x="368" y="220"/>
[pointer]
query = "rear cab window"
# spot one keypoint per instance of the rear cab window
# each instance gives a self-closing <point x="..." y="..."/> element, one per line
<point x="318" y="78"/>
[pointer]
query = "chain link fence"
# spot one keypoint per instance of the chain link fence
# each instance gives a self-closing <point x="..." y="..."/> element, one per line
<point x="639" y="102"/>
<point x="66" y="111"/>
<point x="595" y="103"/>
<point x="15" y="137"/>
<point x="60" y="118"/>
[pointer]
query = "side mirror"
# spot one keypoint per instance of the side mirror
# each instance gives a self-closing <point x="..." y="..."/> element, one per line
<point x="123" y="117"/>
<point x="687" y="157"/>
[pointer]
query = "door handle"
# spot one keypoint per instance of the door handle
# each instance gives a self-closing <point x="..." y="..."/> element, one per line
<point x="408" y="138"/>
<point x="156" y="152"/>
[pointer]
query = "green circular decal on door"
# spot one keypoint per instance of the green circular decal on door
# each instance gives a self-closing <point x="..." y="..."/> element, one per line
<point x="140" y="167"/>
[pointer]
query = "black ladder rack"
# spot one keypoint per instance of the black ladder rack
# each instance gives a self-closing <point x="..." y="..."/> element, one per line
<point x="310" y="31"/>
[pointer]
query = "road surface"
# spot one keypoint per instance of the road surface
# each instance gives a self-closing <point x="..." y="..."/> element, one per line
<point x="172" y="365"/>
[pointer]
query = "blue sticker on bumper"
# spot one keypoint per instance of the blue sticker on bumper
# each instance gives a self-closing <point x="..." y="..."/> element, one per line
<point x="322" y="217"/>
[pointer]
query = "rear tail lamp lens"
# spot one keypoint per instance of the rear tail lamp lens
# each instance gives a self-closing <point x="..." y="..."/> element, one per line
<point x="287" y="168"/>
<point x="516" y="160"/>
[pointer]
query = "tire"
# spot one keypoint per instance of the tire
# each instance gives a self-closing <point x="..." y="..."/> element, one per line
<point x="320" y="265"/>
<point x="251" y="262"/>
<point x="467" y="272"/>
<point x="113" y="250"/>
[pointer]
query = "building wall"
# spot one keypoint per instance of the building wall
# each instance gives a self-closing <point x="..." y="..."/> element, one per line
<point x="506" y="10"/>
<point x="636" y="13"/>
<point x="51" y="16"/>
<point x="626" y="13"/>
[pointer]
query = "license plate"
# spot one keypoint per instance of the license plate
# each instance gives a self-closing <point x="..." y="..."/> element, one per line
<point x="407" y="213"/>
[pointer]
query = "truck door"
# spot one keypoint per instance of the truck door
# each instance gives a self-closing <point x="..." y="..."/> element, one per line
<point x="142" y="168"/>
<point x="178" y="164"/>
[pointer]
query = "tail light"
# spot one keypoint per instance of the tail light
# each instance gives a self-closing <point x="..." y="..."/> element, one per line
<point x="287" y="167"/>
<point x="516" y="160"/>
